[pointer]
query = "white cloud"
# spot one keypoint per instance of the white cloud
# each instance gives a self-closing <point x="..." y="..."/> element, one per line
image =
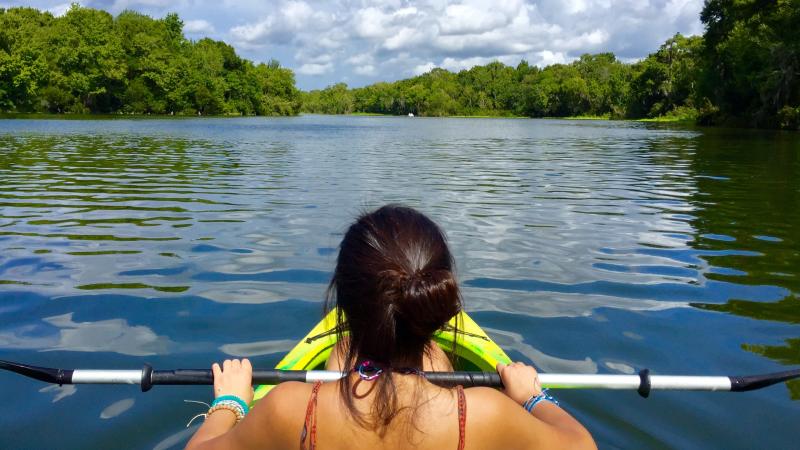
<point x="315" y="69"/>
<point x="585" y="42"/>
<point x="546" y="58"/>
<point x="361" y="58"/>
<point x="466" y="19"/>
<point x="455" y="65"/>
<point x="59" y="10"/>
<point x="368" y="70"/>
<point x="198" y="26"/>
<point x="282" y="26"/>
<point x="404" y="38"/>
<point x="423" y="68"/>
<point x="371" y="23"/>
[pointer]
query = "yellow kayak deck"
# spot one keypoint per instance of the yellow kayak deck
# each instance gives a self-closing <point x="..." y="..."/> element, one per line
<point x="475" y="350"/>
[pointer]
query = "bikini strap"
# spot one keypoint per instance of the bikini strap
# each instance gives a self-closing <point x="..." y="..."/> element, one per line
<point x="462" y="417"/>
<point x="310" y="424"/>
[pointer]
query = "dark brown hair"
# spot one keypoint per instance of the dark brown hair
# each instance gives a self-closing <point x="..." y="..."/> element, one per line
<point x="393" y="287"/>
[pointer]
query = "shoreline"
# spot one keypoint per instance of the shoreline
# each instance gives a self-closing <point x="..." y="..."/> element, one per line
<point x="115" y="116"/>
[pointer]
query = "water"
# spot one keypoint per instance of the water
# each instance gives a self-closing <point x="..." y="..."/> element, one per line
<point x="590" y="247"/>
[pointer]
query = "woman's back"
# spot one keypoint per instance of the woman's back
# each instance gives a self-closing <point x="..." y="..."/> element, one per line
<point x="393" y="287"/>
<point x="491" y="420"/>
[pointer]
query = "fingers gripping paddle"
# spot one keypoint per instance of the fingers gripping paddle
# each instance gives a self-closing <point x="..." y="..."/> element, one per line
<point x="642" y="383"/>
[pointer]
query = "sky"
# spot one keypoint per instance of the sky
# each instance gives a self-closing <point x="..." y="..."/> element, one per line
<point x="360" y="42"/>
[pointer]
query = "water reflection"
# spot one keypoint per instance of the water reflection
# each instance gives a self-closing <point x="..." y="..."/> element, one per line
<point x="250" y="349"/>
<point x="754" y="200"/>
<point x="548" y="363"/>
<point x="60" y="392"/>
<point x="584" y="246"/>
<point x="117" y="408"/>
<point x="112" y="335"/>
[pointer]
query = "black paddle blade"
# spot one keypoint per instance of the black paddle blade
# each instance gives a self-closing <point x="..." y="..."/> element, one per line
<point x="753" y="382"/>
<point x="46" y="374"/>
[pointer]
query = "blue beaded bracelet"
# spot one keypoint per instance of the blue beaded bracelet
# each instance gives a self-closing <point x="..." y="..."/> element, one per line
<point x="534" y="400"/>
<point x="233" y="398"/>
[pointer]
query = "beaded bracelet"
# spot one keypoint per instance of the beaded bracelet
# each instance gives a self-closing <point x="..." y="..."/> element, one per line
<point x="233" y="398"/>
<point x="542" y="396"/>
<point x="229" y="405"/>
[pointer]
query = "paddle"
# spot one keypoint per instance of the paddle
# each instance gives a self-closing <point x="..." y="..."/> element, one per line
<point x="643" y="382"/>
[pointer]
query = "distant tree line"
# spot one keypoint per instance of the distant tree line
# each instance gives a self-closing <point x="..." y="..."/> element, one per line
<point x="88" y="61"/>
<point x="744" y="71"/>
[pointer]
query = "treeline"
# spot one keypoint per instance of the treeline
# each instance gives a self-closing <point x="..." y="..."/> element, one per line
<point x="594" y="85"/>
<point x="744" y="71"/>
<point x="88" y="61"/>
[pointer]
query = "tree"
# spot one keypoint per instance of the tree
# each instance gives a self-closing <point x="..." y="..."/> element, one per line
<point x="751" y="60"/>
<point x="89" y="61"/>
<point x="666" y="79"/>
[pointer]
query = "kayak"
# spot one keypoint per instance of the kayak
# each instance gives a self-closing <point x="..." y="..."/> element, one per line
<point x="476" y="351"/>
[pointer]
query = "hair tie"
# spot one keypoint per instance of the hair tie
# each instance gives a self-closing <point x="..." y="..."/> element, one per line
<point x="367" y="371"/>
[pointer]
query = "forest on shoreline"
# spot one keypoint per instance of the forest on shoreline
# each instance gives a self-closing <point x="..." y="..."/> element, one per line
<point x="88" y="61"/>
<point x="744" y="71"/>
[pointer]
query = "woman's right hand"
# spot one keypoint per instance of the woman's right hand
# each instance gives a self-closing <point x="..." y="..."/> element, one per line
<point x="234" y="377"/>
<point x="520" y="380"/>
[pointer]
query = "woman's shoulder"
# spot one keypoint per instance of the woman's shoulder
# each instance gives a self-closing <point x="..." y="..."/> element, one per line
<point x="495" y="420"/>
<point x="279" y="415"/>
<point x="489" y="399"/>
<point x="286" y="397"/>
<point x="489" y="407"/>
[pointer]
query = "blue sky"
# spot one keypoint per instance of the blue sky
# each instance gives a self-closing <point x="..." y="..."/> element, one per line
<point x="362" y="42"/>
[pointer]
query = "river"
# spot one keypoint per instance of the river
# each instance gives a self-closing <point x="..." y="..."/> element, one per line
<point x="581" y="246"/>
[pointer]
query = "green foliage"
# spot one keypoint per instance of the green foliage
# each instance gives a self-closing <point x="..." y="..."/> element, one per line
<point x="665" y="80"/>
<point x="745" y="70"/>
<point x="595" y="85"/>
<point x="751" y="61"/>
<point x="89" y="61"/>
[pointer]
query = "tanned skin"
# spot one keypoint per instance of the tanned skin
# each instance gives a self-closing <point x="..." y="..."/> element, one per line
<point x="495" y="418"/>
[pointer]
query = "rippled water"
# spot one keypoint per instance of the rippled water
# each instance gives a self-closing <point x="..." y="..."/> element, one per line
<point x="592" y="247"/>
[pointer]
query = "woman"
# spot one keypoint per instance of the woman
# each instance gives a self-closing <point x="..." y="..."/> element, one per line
<point x="393" y="286"/>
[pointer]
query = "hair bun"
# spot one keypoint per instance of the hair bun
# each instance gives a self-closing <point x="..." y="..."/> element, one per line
<point x="422" y="305"/>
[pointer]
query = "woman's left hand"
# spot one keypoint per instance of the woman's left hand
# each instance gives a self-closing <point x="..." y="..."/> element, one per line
<point x="234" y="378"/>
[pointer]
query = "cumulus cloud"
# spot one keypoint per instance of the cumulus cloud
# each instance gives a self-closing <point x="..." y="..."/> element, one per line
<point x="198" y="26"/>
<point x="546" y="58"/>
<point x="315" y="69"/>
<point x="60" y="9"/>
<point x="464" y="18"/>
<point x="279" y="27"/>
<point x="370" y="40"/>
<point x="361" y="58"/>
<point x="368" y="69"/>
<point x="423" y="68"/>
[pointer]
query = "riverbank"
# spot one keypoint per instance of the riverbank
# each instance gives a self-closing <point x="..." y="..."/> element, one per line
<point x="119" y="116"/>
<point x="73" y="116"/>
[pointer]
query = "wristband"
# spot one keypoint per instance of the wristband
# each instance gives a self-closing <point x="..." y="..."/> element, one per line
<point x="233" y="398"/>
<point x="535" y="399"/>
<point x="231" y="406"/>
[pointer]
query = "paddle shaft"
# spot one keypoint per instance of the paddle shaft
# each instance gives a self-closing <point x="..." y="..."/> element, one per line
<point x="643" y="383"/>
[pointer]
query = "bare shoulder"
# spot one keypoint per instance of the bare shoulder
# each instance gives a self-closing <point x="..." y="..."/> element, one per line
<point x="496" y="421"/>
<point x="276" y="420"/>
<point x="284" y="400"/>
<point x="499" y="422"/>
<point x="486" y="403"/>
